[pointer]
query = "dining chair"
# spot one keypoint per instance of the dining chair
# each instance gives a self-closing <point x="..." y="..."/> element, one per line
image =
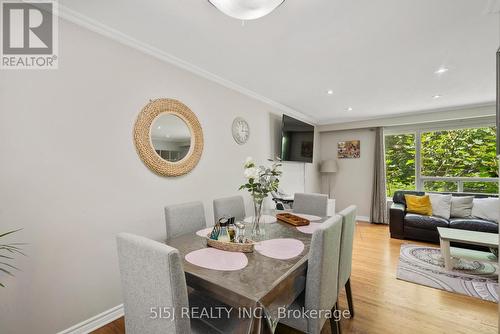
<point x="345" y="265"/>
<point x="232" y="206"/>
<point x="153" y="279"/>
<point x="322" y="274"/>
<point x="312" y="204"/>
<point x="184" y="218"/>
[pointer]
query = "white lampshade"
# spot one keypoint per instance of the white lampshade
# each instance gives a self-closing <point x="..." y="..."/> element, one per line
<point x="329" y="166"/>
<point x="246" y="9"/>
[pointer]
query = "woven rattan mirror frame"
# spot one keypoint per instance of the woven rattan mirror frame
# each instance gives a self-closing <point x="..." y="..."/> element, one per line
<point x="144" y="146"/>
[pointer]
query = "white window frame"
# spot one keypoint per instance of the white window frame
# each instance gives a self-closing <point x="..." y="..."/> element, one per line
<point x="418" y="129"/>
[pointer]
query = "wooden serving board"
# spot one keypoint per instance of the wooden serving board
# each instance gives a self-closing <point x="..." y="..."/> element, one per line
<point x="292" y="219"/>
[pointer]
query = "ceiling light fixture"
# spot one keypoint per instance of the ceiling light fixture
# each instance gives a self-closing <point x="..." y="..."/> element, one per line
<point x="329" y="92"/>
<point x="246" y="9"/>
<point x="349" y="109"/>
<point x="437" y="96"/>
<point x="441" y="70"/>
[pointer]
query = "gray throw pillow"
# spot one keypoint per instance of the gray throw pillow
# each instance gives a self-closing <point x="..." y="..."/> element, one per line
<point x="461" y="207"/>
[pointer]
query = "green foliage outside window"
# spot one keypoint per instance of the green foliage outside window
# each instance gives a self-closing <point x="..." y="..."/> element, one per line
<point x="448" y="153"/>
<point x="400" y="162"/>
<point x="462" y="153"/>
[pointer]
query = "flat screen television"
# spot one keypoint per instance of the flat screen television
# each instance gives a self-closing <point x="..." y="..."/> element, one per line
<point x="297" y="140"/>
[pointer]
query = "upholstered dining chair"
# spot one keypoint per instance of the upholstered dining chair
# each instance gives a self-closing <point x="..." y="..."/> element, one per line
<point x="312" y="204"/>
<point x="322" y="274"/>
<point x="232" y="206"/>
<point x="152" y="277"/>
<point x="184" y="218"/>
<point x="345" y="265"/>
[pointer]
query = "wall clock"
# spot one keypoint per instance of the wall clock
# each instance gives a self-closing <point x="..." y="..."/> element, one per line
<point x="241" y="130"/>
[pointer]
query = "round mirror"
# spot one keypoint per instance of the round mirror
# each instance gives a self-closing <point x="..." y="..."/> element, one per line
<point x="170" y="137"/>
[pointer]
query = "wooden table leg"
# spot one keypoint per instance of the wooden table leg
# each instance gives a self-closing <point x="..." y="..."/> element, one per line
<point x="446" y="254"/>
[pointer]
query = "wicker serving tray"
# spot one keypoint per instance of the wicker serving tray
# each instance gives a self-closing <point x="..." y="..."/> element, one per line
<point x="231" y="246"/>
<point x="292" y="219"/>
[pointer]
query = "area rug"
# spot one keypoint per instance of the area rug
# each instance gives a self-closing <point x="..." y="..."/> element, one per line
<point x="475" y="274"/>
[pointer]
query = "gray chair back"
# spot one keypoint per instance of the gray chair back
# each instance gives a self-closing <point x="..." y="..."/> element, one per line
<point x="322" y="270"/>
<point x="151" y="276"/>
<point x="348" y="229"/>
<point x="184" y="218"/>
<point x="232" y="206"/>
<point x="312" y="204"/>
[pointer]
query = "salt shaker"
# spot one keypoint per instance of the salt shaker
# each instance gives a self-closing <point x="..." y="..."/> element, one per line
<point x="240" y="232"/>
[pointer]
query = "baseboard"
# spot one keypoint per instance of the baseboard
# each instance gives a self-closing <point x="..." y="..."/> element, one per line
<point x="95" y="322"/>
<point x="363" y="218"/>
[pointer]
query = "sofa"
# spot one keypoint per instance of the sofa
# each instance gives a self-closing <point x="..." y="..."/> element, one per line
<point x="404" y="225"/>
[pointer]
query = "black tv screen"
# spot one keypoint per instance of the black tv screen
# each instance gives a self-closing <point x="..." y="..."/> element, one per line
<point x="297" y="140"/>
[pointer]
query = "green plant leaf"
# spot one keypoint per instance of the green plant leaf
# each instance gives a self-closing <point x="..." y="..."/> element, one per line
<point x="9" y="265"/>
<point x="10" y="232"/>
<point x="6" y="271"/>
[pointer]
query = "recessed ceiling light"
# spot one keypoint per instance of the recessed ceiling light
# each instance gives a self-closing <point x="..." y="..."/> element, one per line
<point x="441" y="70"/>
<point x="330" y="92"/>
<point x="349" y="109"/>
<point x="437" y="96"/>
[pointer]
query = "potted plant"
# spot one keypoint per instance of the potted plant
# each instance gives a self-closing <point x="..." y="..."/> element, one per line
<point x="7" y="253"/>
<point x="260" y="182"/>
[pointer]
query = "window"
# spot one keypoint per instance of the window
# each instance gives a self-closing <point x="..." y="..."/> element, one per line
<point x="455" y="160"/>
<point x="400" y="162"/>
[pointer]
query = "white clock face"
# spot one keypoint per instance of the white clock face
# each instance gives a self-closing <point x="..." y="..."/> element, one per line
<point x="241" y="130"/>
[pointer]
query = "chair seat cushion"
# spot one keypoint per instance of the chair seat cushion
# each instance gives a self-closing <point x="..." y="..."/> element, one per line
<point x="474" y="224"/>
<point x="425" y="222"/>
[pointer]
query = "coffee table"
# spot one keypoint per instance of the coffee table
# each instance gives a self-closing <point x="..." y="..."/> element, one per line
<point x="465" y="237"/>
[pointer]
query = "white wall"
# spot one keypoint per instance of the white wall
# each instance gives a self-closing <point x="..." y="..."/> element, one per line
<point x="70" y="175"/>
<point x="353" y="182"/>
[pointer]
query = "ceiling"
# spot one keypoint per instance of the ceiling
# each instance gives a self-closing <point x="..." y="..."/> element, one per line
<point x="378" y="57"/>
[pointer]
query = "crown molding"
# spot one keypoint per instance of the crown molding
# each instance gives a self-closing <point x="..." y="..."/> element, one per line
<point x="84" y="21"/>
<point x="415" y="117"/>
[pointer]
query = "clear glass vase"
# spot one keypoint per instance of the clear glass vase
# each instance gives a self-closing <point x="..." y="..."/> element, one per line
<point x="258" y="230"/>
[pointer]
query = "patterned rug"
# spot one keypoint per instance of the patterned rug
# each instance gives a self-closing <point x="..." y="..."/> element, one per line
<point x="475" y="273"/>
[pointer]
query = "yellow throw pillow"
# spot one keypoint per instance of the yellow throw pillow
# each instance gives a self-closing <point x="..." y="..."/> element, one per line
<point x="419" y="204"/>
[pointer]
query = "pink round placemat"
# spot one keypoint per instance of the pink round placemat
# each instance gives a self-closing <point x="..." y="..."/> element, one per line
<point x="309" y="229"/>
<point x="311" y="218"/>
<point x="204" y="232"/>
<point x="216" y="259"/>
<point x="265" y="219"/>
<point x="281" y="249"/>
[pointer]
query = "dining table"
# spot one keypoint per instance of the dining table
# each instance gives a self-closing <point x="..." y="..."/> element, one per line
<point x="261" y="288"/>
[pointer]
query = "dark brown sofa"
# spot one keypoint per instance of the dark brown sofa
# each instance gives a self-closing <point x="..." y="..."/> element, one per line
<point x="404" y="225"/>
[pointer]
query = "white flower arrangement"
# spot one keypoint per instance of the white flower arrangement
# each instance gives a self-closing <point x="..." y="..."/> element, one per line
<point x="261" y="180"/>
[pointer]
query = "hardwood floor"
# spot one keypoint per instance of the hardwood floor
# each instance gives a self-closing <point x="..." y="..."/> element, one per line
<point x="384" y="304"/>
